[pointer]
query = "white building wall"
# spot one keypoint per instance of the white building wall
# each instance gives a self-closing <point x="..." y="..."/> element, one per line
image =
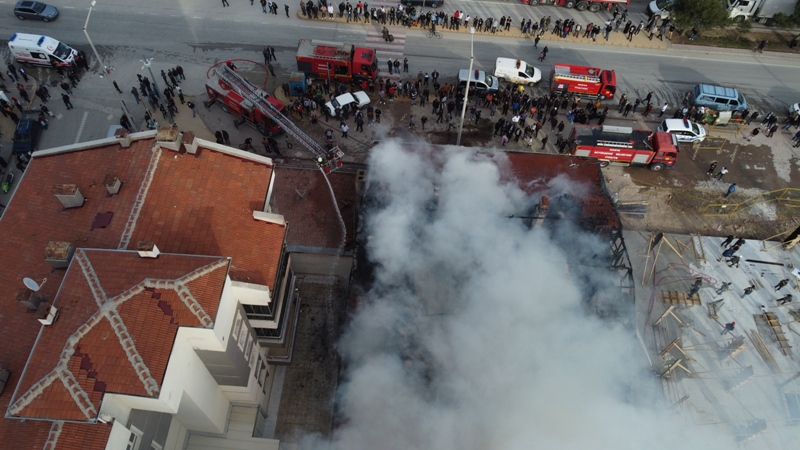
<point x="119" y="436"/>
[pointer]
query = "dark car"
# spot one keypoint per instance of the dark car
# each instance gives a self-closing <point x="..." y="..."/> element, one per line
<point x="26" y="136"/>
<point x="428" y="3"/>
<point x="35" y="10"/>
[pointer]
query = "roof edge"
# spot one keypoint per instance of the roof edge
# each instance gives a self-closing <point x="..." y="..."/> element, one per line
<point x="92" y="144"/>
<point x="230" y="151"/>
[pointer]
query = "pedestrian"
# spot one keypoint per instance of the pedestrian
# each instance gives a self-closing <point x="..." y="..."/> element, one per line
<point x="727" y="253"/>
<point x="218" y="135"/>
<point x="536" y="43"/>
<point x="423" y="120"/>
<point x="271" y="69"/>
<point x="753" y="134"/>
<point x="721" y="173"/>
<point x="265" y="52"/>
<point x="67" y="103"/>
<point x="748" y="290"/>
<point x="116" y="86"/>
<point x="345" y="129"/>
<point x="663" y="109"/>
<point x="711" y="168"/>
<point x="731" y="189"/>
<point x="724" y="287"/>
<point x="286" y="8"/>
<point x="728" y="328"/>
<point x="734" y="261"/>
<point x="135" y="94"/>
<point x="66" y="87"/>
<point x="728" y="240"/>
<point x="226" y="138"/>
<point x="781" y="284"/>
<point x="225" y="3"/>
<point x="191" y="107"/>
<point x="785" y="299"/>
<point x="24" y="74"/>
<point x="694" y="34"/>
<point x="761" y="45"/>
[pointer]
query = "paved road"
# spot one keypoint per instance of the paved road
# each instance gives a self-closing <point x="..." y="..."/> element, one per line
<point x="198" y="34"/>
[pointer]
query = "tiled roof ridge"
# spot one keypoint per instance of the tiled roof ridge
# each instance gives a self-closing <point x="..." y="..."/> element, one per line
<point x="127" y="233"/>
<point x="52" y="438"/>
<point x="78" y="394"/>
<point x="89" y="273"/>
<point x="186" y="295"/>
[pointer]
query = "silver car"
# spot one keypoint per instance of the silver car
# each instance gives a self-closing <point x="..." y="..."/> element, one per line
<point x="35" y="10"/>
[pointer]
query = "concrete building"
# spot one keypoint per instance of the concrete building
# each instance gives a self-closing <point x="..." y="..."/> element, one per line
<point x="147" y="284"/>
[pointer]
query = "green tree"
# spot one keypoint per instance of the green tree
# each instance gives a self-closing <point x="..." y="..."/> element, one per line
<point x="700" y="13"/>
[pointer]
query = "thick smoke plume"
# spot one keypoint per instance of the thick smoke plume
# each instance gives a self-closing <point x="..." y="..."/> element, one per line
<point x="476" y="332"/>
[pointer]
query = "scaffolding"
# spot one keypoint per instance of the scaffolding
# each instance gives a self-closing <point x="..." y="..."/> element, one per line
<point x="789" y="197"/>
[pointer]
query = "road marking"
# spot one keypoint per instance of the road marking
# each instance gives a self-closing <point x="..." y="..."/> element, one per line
<point x="80" y="128"/>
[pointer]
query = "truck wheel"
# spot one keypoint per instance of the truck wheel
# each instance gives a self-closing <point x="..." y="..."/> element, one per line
<point x="582" y="6"/>
<point x="603" y="163"/>
<point x="532" y="84"/>
<point x="656" y="167"/>
<point x="263" y="130"/>
<point x="601" y="97"/>
<point x="225" y="108"/>
<point x="594" y="7"/>
<point x="569" y="4"/>
<point x="534" y="2"/>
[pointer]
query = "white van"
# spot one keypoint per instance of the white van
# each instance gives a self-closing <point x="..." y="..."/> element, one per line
<point x="40" y="50"/>
<point x="479" y="79"/>
<point x="517" y="71"/>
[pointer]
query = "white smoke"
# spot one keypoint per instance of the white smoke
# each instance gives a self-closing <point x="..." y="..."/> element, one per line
<point x="475" y="334"/>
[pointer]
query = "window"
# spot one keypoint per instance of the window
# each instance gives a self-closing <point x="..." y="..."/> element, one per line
<point x="263" y="312"/>
<point x="243" y="334"/>
<point x="237" y="325"/>
<point x="261" y="372"/>
<point x="340" y="70"/>
<point x="134" y="439"/>
<point x="248" y="347"/>
<point x="253" y="354"/>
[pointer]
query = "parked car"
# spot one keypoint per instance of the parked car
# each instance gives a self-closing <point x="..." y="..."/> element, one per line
<point x="794" y="108"/>
<point x="660" y="8"/>
<point x="26" y="136"/>
<point x="428" y="3"/>
<point x="684" y="130"/>
<point x="354" y="101"/>
<point x="35" y="10"/>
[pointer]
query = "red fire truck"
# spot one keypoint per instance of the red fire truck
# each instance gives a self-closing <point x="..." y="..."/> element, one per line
<point x="625" y="146"/>
<point x="589" y="82"/>
<point x="231" y="101"/>
<point x="580" y="5"/>
<point x="336" y="61"/>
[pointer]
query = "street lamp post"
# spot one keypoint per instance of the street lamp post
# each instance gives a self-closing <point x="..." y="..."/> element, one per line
<point x="469" y="78"/>
<point x="147" y="63"/>
<point x="105" y="68"/>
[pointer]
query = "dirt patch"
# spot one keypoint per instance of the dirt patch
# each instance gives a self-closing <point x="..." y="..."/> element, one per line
<point x="777" y="40"/>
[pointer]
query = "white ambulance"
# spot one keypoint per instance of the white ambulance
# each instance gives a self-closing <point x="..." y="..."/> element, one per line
<point x="40" y="50"/>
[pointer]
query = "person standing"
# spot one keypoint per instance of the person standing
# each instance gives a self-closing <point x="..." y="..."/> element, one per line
<point x="721" y="173"/>
<point x="225" y="3"/>
<point x="711" y="168"/>
<point x="67" y="102"/>
<point x="191" y="107"/>
<point x="345" y="129"/>
<point x="226" y="139"/>
<point x="66" y="87"/>
<point x="286" y="8"/>
<point x="731" y="190"/>
<point x="781" y="284"/>
<point x="785" y="299"/>
<point x="265" y="52"/>
<point x="663" y="109"/>
<point x="753" y="134"/>
<point x="271" y="69"/>
<point x="748" y="290"/>
<point x="728" y="240"/>
<point x="24" y="74"/>
<point x="135" y="94"/>
<point x="728" y="328"/>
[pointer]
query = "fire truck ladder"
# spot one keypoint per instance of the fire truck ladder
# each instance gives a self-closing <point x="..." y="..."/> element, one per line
<point x="326" y="160"/>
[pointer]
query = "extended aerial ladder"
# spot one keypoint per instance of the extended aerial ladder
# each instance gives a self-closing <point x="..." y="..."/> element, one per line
<point x="327" y="160"/>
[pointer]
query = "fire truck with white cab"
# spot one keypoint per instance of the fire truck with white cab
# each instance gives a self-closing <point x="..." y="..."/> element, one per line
<point x="625" y="146"/>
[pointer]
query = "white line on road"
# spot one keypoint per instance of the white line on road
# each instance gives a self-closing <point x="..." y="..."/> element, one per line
<point x="80" y="128"/>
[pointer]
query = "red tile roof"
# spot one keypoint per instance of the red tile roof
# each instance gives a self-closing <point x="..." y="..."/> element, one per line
<point x="533" y="172"/>
<point x="199" y="205"/>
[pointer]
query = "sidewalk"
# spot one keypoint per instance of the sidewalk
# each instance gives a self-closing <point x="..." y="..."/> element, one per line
<point x="617" y="39"/>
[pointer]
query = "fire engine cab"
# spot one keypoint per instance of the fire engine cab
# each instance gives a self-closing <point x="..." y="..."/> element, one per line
<point x="589" y="82"/>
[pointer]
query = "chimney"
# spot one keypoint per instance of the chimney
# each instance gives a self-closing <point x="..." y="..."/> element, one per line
<point x="29" y="298"/>
<point x="58" y="254"/>
<point x="169" y="138"/>
<point x="541" y="211"/>
<point x="112" y="183"/>
<point x="189" y="142"/>
<point x="69" y="195"/>
<point x="123" y="137"/>
<point x="147" y="249"/>
<point x="361" y="180"/>
<point x="46" y="314"/>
